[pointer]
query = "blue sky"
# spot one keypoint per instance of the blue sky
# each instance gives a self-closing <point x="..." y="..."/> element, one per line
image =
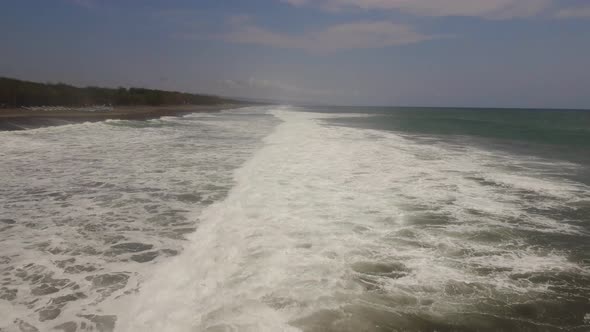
<point x="490" y="53"/>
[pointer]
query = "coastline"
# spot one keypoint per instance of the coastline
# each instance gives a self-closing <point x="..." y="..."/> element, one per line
<point x="12" y="119"/>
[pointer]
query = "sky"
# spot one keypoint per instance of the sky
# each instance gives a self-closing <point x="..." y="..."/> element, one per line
<point x="482" y="53"/>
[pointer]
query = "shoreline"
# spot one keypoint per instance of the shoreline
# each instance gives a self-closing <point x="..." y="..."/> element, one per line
<point x="13" y="119"/>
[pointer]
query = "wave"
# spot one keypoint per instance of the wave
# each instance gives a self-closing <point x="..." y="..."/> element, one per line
<point x="342" y="229"/>
<point x="88" y="211"/>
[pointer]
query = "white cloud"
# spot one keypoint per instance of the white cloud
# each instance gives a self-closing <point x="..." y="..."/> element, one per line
<point x="366" y="34"/>
<point x="574" y="12"/>
<point x="492" y="9"/>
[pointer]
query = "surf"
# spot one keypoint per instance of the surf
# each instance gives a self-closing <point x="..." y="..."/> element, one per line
<point x="331" y="228"/>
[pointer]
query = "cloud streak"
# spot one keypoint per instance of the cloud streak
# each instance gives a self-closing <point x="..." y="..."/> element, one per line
<point x="491" y="9"/>
<point x="279" y="90"/>
<point x="262" y="86"/>
<point x="574" y="12"/>
<point x="346" y="36"/>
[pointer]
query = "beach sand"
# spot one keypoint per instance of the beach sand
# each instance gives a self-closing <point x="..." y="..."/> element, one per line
<point x="22" y="119"/>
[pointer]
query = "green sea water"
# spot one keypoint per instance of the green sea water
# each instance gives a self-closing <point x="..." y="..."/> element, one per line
<point x="559" y="127"/>
<point x="550" y="133"/>
<point x="300" y="219"/>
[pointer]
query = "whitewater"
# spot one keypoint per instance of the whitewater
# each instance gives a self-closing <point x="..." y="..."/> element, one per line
<point x="278" y="219"/>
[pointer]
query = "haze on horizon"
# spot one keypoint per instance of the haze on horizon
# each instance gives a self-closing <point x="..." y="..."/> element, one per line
<point x="487" y="53"/>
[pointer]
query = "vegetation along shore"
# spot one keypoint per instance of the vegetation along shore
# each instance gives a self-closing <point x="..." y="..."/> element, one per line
<point x="28" y="105"/>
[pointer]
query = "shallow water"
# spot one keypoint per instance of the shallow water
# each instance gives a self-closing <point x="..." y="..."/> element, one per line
<point x="88" y="210"/>
<point x="326" y="225"/>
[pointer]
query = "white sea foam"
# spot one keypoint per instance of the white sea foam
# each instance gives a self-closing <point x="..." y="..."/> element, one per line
<point x="87" y="210"/>
<point x="327" y="227"/>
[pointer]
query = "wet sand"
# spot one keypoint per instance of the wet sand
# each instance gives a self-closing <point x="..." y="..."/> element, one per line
<point x="22" y="119"/>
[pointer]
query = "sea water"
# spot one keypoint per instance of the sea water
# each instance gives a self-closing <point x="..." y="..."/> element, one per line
<point x="300" y="219"/>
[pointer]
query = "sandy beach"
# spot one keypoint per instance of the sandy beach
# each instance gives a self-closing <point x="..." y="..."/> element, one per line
<point x="22" y="119"/>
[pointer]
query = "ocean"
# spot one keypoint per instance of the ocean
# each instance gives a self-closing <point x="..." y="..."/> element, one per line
<point x="283" y="218"/>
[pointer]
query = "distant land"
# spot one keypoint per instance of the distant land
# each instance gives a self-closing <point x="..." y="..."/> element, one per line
<point x="18" y="93"/>
<point x="29" y="105"/>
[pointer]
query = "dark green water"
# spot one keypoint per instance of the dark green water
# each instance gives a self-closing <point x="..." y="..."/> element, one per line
<point x="342" y="220"/>
<point x="558" y="127"/>
<point x="553" y="134"/>
<point x="514" y="188"/>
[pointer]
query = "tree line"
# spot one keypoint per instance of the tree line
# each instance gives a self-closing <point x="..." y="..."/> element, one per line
<point x="18" y="93"/>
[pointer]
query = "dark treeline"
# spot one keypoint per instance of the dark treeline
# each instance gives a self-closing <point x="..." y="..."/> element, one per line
<point x="17" y="93"/>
